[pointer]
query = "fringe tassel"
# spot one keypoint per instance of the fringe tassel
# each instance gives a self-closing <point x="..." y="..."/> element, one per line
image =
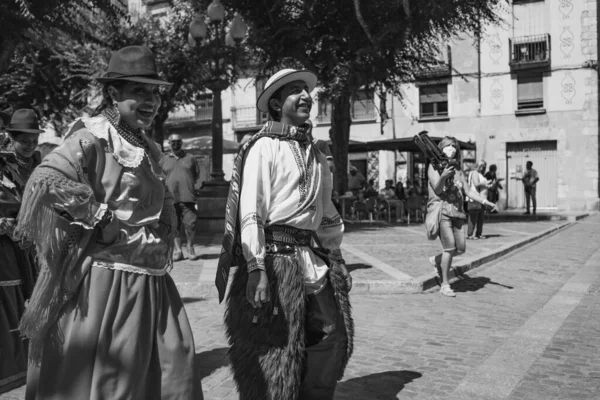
<point x="57" y="248"/>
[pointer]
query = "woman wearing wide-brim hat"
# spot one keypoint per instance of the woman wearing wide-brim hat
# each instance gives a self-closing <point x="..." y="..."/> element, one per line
<point x="18" y="159"/>
<point x="105" y="320"/>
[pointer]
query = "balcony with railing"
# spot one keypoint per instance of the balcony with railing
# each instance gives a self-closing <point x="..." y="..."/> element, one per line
<point x="246" y="117"/>
<point x="191" y="113"/>
<point x="529" y="52"/>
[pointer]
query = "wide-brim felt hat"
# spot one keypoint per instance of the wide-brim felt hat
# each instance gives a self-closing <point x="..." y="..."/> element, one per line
<point x="134" y="64"/>
<point x="24" y="120"/>
<point x="282" y="78"/>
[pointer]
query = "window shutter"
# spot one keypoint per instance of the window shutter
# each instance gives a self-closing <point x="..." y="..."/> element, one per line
<point x="434" y="94"/>
<point x="530" y="88"/>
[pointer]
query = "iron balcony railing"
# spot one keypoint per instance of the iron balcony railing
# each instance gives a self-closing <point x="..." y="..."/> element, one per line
<point x="529" y="51"/>
<point x="191" y="113"/>
<point x="362" y="110"/>
<point x="247" y="116"/>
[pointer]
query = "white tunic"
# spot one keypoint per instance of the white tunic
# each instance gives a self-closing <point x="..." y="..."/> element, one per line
<point x="288" y="183"/>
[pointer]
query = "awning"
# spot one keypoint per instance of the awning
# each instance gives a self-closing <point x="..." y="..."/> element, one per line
<point x="203" y="145"/>
<point x="402" y="145"/>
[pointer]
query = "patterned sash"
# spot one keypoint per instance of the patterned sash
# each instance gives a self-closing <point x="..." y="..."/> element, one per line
<point x="231" y="251"/>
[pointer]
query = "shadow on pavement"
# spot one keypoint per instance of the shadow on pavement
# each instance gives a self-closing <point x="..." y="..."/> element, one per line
<point x="209" y="361"/>
<point x="380" y="386"/>
<point x="494" y="235"/>
<point x="355" y="266"/>
<point x="469" y="284"/>
<point x="209" y="256"/>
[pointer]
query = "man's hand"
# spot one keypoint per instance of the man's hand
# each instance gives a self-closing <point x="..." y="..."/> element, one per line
<point x="347" y="276"/>
<point x="257" y="288"/>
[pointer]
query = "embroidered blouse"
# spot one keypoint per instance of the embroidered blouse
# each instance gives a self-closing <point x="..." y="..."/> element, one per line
<point x="286" y="182"/>
<point x="125" y="182"/>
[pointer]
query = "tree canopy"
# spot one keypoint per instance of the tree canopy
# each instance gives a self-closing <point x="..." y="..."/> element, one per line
<point x="33" y="20"/>
<point x="358" y="44"/>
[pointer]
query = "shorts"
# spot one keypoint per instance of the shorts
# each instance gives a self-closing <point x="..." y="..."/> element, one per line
<point x="453" y="233"/>
<point x="186" y="216"/>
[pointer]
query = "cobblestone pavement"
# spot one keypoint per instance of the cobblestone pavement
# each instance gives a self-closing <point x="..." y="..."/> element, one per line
<point x="523" y="327"/>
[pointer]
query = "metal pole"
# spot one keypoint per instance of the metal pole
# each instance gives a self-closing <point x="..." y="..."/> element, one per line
<point x="217" y="138"/>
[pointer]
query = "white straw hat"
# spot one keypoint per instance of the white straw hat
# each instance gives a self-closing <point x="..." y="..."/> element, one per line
<point x="280" y="79"/>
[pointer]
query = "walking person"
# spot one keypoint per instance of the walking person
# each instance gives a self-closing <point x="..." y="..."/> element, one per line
<point x="18" y="159"/>
<point x="476" y="212"/>
<point x="288" y="314"/>
<point x="182" y="177"/>
<point x="494" y="185"/>
<point x="530" y="179"/>
<point x="105" y="320"/>
<point x="447" y="188"/>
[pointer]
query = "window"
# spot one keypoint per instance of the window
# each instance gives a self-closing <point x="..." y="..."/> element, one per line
<point x="363" y="105"/>
<point x="433" y="101"/>
<point x="204" y="106"/>
<point x="530" y="92"/>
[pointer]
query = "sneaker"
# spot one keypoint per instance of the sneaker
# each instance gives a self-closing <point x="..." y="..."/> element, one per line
<point x="472" y="237"/>
<point x="480" y="237"/>
<point x="526" y="213"/>
<point x="177" y="256"/>
<point x="446" y="290"/>
<point x="192" y="254"/>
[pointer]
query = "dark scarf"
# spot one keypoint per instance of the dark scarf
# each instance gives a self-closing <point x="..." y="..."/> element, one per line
<point x="231" y="252"/>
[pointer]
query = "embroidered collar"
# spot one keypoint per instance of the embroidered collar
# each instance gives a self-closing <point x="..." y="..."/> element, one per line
<point x="126" y="154"/>
<point x="300" y="134"/>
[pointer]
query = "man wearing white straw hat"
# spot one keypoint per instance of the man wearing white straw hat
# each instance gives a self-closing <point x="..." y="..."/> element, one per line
<point x="288" y="314"/>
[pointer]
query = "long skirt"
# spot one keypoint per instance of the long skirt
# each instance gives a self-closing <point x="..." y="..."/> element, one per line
<point x="126" y="337"/>
<point x="16" y="280"/>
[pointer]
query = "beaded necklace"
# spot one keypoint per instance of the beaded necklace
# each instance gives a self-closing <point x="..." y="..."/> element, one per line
<point x="132" y="136"/>
<point x="26" y="162"/>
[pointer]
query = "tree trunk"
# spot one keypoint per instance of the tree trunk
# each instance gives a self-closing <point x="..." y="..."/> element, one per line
<point x="340" y="139"/>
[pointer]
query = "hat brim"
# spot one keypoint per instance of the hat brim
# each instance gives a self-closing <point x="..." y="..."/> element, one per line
<point x="140" y="79"/>
<point x="305" y="76"/>
<point x="24" y="130"/>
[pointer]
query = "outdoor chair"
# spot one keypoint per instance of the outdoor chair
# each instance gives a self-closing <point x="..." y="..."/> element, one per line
<point x="415" y="206"/>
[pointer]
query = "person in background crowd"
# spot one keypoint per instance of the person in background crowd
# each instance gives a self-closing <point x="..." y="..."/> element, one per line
<point x="400" y="192"/>
<point x="105" y="320"/>
<point x="18" y="159"/>
<point x="388" y="193"/>
<point x="182" y="177"/>
<point x="530" y="179"/>
<point x="356" y="180"/>
<point x="288" y="314"/>
<point x="448" y="188"/>
<point x="494" y="185"/>
<point x="478" y="183"/>
<point x="370" y="190"/>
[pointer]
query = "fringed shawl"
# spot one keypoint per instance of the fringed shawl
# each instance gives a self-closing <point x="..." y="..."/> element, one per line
<point x="58" y="251"/>
<point x="231" y="251"/>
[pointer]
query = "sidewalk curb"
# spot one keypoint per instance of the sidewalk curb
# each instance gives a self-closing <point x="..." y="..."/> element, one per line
<point x="203" y="290"/>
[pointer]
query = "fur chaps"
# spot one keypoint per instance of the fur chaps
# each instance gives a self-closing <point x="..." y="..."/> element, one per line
<point x="267" y="355"/>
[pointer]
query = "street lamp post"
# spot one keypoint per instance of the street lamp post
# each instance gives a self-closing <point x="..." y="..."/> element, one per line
<point x="221" y="44"/>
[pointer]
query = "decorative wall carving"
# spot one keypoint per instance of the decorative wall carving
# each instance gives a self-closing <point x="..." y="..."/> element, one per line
<point x="565" y="8"/>
<point x="567" y="42"/>
<point x="568" y="87"/>
<point x="497" y="93"/>
<point x="495" y="48"/>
